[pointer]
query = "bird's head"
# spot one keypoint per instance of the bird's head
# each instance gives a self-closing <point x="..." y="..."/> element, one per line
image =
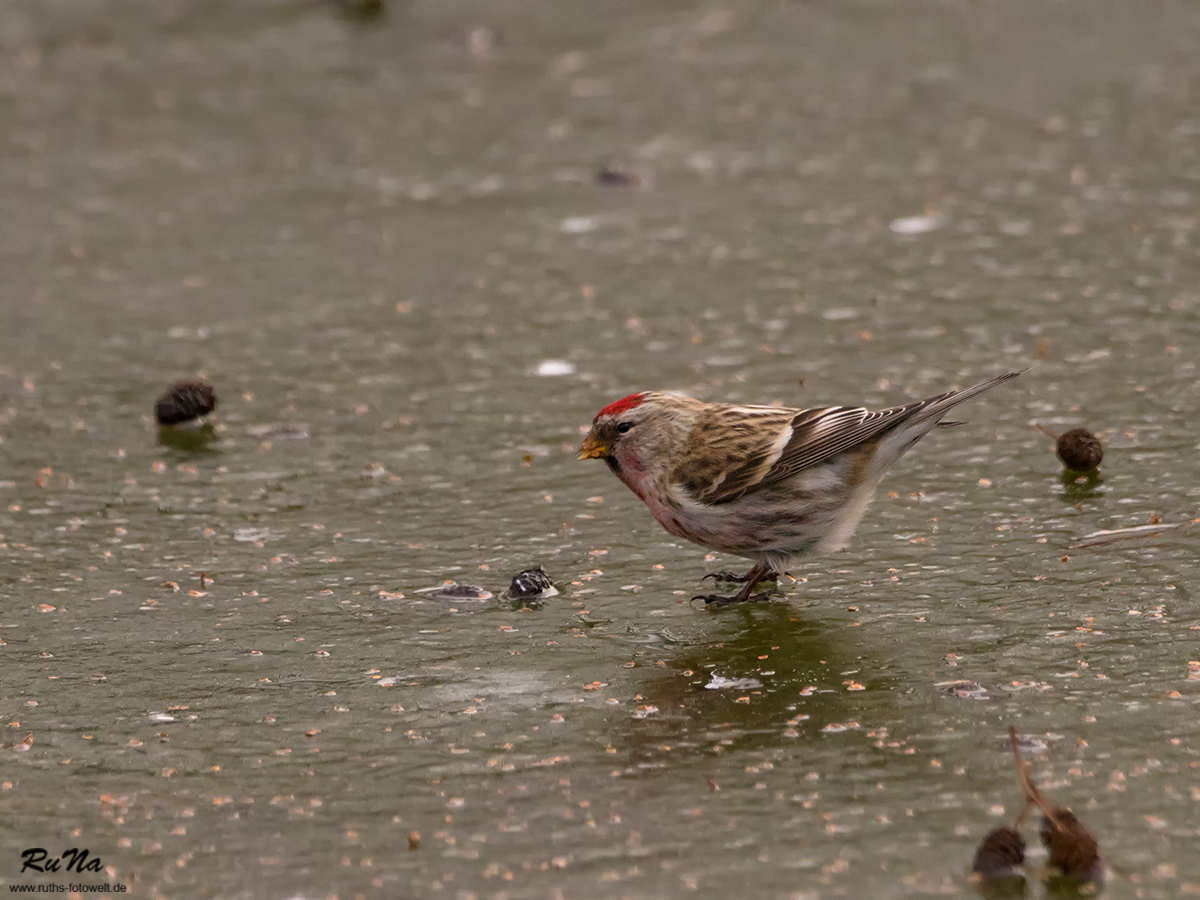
<point x="639" y="433"/>
<point x="611" y="425"/>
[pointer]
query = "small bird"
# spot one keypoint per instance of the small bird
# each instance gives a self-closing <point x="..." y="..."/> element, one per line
<point x="763" y="482"/>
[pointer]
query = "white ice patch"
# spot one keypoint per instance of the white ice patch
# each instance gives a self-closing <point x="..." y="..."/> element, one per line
<point x="253" y="535"/>
<point x="579" y="224"/>
<point x="555" y="367"/>
<point x="720" y="682"/>
<point x="915" y="224"/>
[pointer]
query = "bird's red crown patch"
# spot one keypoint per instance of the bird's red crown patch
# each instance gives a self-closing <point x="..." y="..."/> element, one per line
<point x="626" y="403"/>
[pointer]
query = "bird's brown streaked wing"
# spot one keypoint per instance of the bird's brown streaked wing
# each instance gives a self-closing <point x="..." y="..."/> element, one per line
<point x="730" y="449"/>
<point x="748" y="456"/>
<point x="821" y="434"/>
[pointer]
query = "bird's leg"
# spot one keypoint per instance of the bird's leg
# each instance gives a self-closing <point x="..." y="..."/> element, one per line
<point x="751" y="579"/>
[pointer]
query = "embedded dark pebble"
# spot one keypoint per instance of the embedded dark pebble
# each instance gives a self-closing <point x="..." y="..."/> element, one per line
<point x="186" y="401"/>
<point x="1080" y="450"/>
<point x="610" y="177"/>
<point x="1072" y="848"/>
<point x="967" y="690"/>
<point x="1000" y="854"/>
<point x="530" y="583"/>
<point x="452" y="591"/>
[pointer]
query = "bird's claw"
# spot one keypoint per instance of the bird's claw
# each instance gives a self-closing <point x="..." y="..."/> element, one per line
<point x="716" y="601"/>
<point x="727" y="577"/>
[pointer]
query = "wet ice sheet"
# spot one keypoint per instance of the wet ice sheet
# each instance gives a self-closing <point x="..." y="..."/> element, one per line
<point x="362" y="225"/>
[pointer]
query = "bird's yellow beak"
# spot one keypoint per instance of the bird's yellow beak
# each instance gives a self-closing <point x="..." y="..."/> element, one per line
<point x="592" y="449"/>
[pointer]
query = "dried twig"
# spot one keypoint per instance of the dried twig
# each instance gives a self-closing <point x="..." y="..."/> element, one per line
<point x="1106" y="536"/>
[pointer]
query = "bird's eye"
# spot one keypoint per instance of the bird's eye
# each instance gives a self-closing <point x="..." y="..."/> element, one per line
<point x="624" y="427"/>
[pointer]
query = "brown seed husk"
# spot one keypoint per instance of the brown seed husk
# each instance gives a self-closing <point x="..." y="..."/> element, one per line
<point x="1080" y="450"/>
<point x="1072" y="848"/>
<point x="1000" y="853"/>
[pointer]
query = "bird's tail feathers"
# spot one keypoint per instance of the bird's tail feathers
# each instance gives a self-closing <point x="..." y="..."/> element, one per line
<point x="924" y="418"/>
<point x="939" y="406"/>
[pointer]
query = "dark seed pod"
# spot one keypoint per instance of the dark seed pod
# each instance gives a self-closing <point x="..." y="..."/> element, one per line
<point x="1000" y="855"/>
<point x="186" y="401"/>
<point x="531" y="583"/>
<point x="1072" y="849"/>
<point x="1080" y="450"/>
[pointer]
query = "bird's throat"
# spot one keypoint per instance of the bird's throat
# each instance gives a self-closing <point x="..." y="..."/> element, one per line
<point x="625" y="475"/>
<point x="631" y="472"/>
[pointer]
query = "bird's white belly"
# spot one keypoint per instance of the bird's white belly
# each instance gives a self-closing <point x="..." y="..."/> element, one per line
<point x="817" y="507"/>
<point x="846" y="521"/>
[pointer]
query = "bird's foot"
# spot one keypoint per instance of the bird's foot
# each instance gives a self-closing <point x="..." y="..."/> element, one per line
<point x="726" y="577"/>
<point x="716" y="601"/>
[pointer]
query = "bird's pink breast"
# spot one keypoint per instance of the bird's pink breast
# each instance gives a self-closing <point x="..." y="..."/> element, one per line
<point x="634" y="474"/>
<point x="666" y="517"/>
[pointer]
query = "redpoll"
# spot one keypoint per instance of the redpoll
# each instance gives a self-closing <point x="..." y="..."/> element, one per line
<point x="762" y="482"/>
